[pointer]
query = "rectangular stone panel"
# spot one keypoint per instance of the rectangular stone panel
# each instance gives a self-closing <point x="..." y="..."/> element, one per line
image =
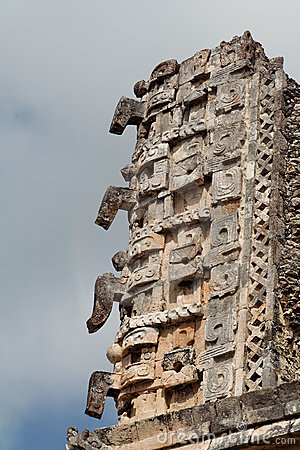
<point x="226" y="184"/>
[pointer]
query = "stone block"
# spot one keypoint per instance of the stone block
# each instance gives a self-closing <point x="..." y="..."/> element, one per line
<point x="230" y="96"/>
<point x="217" y="380"/>
<point x="115" y="198"/>
<point x="127" y="112"/>
<point x="224" y="230"/>
<point x="228" y="415"/>
<point x="224" y="279"/>
<point x="260" y="406"/>
<point x="226" y="184"/>
<point x="289" y="395"/>
<point x="203" y="414"/>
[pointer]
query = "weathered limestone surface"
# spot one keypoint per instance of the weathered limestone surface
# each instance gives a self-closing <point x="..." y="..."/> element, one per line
<point x="268" y="417"/>
<point x="208" y="290"/>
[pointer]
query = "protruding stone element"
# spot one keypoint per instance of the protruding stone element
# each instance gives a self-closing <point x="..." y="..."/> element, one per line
<point x="114" y="353"/>
<point x="101" y="385"/>
<point x="128" y="172"/>
<point x="115" y="198"/>
<point x="128" y="112"/>
<point x="119" y="260"/>
<point x="108" y="289"/>
<point x="140" y="88"/>
<point x="162" y="318"/>
<point x="224" y="279"/>
<point x="145" y="244"/>
<point x="144" y="275"/>
<point x="164" y="69"/>
<point x="140" y="336"/>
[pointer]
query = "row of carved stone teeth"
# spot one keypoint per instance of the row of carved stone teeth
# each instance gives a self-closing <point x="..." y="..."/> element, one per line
<point x="173" y="133"/>
<point x="162" y="317"/>
<point x="158" y="226"/>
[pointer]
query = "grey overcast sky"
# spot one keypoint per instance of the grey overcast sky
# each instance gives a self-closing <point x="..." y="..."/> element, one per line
<point x="64" y="66"/>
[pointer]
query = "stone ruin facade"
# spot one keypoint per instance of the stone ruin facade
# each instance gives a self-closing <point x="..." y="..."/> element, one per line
<point x="208" y="291"/>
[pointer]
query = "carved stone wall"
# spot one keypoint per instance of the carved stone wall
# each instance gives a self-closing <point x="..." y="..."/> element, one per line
<point x="208" y="288"/>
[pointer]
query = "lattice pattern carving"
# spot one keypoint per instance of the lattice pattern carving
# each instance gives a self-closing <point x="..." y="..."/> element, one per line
<point x="260" y="239"/>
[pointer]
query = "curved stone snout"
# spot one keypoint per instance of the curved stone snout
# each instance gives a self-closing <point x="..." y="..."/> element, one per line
<point x="108" y="289"/>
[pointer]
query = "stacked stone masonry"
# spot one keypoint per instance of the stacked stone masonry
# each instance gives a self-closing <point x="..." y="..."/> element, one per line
<point x="208" y="290"/>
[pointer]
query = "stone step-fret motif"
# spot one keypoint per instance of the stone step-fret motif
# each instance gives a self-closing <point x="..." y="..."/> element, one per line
<point x="197" y="282"/>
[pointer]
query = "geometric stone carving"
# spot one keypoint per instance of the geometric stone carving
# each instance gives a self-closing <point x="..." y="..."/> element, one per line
<point x="198" y="215"/>
<point x="108" y="289"/>
<point x="178" y="367"/>
<point x="228" y="139"/>
<point x="224" y="230"/>
<point x="226" y="184"/>
<point x="127" y="112"/>
<point x="153" y="180"/>
<point x="154" y="153"/>
<point x="230" y="96"/>
<point x="162" y="318"/>
<point x="185" y="375"/>
<point x="115" y="198"/>
<point x="185" y="131"/>
<point x="143" y="275"/>
<point x="196" y="96"/>
<point x="188" y="169"/>
<point x="180" y="357"/>
<point x="219" y="328"/>
<point x="221" y="254"/>
<point x="152" y="242"/>
<point x="206" y="358"/>
<point x="140" y="336"/>
<point x="184" y="262"/>
<point x="137" y="372"/>
<point x="194" y="66"/>
<point x="224" y="279"/>
<point x="226" y="147"/>
<point x="217" y="381"/>
<point x="163" y="96"/>
<point x="101" y="385"/>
